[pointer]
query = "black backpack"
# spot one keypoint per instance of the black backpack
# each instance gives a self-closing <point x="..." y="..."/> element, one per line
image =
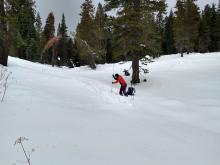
<point x="131" y="91"/>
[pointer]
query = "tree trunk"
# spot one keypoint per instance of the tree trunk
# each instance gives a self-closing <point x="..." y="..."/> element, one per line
<point x="54" y="55"/>
<point x="181" y="52"/>
<point x="3" y="54"/>
<point x="135" y="68"/>
<point x="92" y="61"/>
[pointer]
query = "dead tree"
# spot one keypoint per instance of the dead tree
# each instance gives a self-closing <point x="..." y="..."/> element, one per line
<point x="52" y="44"/>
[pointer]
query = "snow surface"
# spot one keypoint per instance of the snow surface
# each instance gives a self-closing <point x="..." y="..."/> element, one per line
<point x="75" y="116"/>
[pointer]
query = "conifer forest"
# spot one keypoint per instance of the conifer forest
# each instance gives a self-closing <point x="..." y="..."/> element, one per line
<point x="139" y="28"/>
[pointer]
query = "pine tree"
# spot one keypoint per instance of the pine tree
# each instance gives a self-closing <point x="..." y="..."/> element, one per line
<point x="85" y="34"/>
<point x="48" y="33"/>
<point x="58" y="30"/>
<point x="186" y="26"/>
<point x="62" y="47"/>
<point x="208" y="20"/>
<point x="4" y="43"/>
<point x="168" y="35"/>
<point x="38" y="25"/>
<point x="49" y="28"/>
<point x="109" y="38"/>
<point x="72" y="54"/>
<point x="214" y="29"/>
<point x="204" y="34"/>
<point x="63" y="27"/>
<point x="100" y="21"/>
<point x="132" y="37"/>
<point x="21" y="24"/>
<point x="160" y="24"/>
<point x="180" y="36"/>
<point x="39" y="31"/>
<point x="32" y="50"/>
<point x="192" y="24"/>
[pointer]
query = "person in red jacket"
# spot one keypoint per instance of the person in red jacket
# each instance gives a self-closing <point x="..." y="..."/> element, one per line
<point x="119" y="79"/>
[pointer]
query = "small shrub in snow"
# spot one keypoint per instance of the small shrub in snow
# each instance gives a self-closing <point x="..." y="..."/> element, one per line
<point x="20" y="141"/>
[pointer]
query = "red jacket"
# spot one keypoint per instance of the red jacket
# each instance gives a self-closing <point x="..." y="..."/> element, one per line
<point x="121" y="81"/>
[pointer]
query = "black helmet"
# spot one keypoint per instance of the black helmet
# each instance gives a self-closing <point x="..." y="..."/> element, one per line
<point x="117" y="75"/>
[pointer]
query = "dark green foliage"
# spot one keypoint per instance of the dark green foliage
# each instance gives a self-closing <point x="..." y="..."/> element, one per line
<point x="49" y="28"/>
<point x="137" y="30"/>
<point x="133" y="29"/>
<point x="109" y="51"/>
<point x="160" y="27"/>
<point x="85" y="35"/>
<point x="168" y="44"/>
<point x="39" y="44"/>
<point x="62" y="46"/>
<point x="109" y="39"/>
<point x="63" y="27"/>
<point x="192" y="25"/>
<point x="38" y="25"/>
<point x="58" y="30"/>
<point x="48" y="33"/>
<point x="204" y="34"/>
<point x="72" y="54"/>
<point x="214" y="29"/>
<point x="21" y="14"/>
<point x="186" y="26"/>
<point x="209" y="29"/>
<point x="101" y="36"/>
<point x="32" y="50"/>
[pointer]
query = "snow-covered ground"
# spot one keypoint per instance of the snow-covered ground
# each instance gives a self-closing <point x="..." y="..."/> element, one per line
<point x="75" y="116"/>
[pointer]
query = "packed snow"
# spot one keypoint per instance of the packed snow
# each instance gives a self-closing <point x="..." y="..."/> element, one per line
<point x="76" y="116"/>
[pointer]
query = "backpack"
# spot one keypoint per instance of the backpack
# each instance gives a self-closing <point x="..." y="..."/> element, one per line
<point x="131" y="91"/>
<point x="126" y="73"/>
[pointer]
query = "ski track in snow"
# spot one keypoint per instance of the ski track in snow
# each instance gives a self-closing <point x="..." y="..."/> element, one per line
<point x="76" y="116"/>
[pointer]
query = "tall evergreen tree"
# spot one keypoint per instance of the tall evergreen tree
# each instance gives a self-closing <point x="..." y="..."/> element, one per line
<point x="160" y="24"/>
<point x="132" y="37"/>
<point x="204" y="34"/>
<point x="62" y="50"/>
<point x="48" y="33"/>
<point x="49" y="28"/>
<point x="22" y="20"/>
<point x="181" y="39"/>
<point x="72" y="54"/>
<point x="85" y="34"/>
<point x="38" y="25"/>
<point x="214" y="28"/>
<point x="100" y="21"/>
<point x="109" y="38"/>
<point x="192" y="25"/>
<point x="63" y="27"/>
<point x="168" y="35"/>
<point x="208" y="20"/>
<point x="58" y="30"/>
<point x="39" y="31"/>
<point x="186" y="26"/>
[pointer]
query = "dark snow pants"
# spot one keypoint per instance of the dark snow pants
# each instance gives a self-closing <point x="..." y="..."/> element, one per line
<point x="123" y="90"/>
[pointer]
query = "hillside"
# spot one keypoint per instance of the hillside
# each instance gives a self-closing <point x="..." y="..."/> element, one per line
<point x="76" y="116"/>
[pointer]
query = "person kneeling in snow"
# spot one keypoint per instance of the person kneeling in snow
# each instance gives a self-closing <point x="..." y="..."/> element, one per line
<point x="123" y="83"/>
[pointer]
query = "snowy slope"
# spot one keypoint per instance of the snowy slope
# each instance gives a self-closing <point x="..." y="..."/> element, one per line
<point x="75" y="116"/>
